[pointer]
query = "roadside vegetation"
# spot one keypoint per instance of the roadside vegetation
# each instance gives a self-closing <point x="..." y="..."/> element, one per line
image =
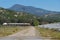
<point x="46" y="32"/>
<point x="8" y="30"/>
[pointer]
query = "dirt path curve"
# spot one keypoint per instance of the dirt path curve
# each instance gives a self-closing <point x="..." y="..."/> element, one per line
<point x="28" y="34"/>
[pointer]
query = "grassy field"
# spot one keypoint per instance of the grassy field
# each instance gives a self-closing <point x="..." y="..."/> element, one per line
<point x="45" y="32"/>
<point x="8" y="30"/>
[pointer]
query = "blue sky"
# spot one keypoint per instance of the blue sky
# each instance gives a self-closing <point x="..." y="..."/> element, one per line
<point x="53" y="5"/>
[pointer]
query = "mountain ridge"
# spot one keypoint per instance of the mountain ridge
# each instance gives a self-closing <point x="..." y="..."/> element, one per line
<point x="31" y="9"/>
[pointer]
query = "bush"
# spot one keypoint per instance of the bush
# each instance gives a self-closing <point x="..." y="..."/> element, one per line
<point x="35" y="22"/>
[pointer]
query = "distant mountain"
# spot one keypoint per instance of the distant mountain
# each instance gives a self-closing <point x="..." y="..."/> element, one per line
<point x="32" y="10"/>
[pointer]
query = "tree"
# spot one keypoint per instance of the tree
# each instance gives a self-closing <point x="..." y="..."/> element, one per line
<point x="35" y="22"/>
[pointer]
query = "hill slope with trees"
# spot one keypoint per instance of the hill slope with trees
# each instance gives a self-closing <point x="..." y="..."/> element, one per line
<point x="9" y="16"/>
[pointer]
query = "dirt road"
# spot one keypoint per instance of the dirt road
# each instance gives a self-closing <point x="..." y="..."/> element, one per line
<point x="31" y="31"/>
<point x="28" y="34"/>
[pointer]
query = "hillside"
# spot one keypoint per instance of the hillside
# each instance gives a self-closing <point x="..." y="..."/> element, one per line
<point x="15" y="17"/>
<point x="51" y="18"/>
<point x="11" y="16"/>
<point x="31" y="10"/>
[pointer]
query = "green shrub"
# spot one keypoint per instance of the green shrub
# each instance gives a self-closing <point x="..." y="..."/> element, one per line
<point x="35" y="22"/>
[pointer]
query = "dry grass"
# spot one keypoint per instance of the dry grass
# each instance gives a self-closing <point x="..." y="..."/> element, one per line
<point x="8" y="30"/>
<point x="45" y="32"/>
